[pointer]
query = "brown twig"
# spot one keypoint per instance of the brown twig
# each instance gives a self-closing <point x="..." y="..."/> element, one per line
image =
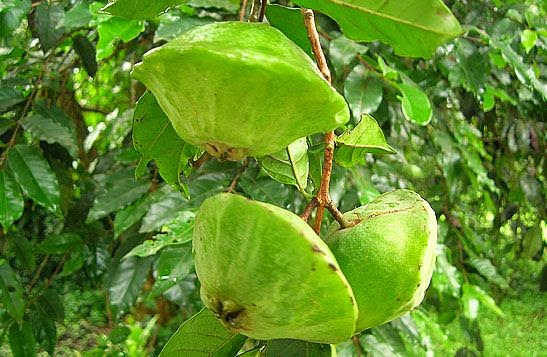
<point x="313" y="36"/>
<point x="243" y="10"/>
<point x="255" y="11"/>
<point x="262" y="10"/>
<point x="57" y="270"/>
<point x="38" y="272"/>
<point x="358" y="347"/>
<point x="309" y="209"/>
<point x="233" y="184"/>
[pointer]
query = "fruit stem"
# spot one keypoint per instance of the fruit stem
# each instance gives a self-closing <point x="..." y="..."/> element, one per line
<point x="258" y="11"/>
<point x="323" y="198"/>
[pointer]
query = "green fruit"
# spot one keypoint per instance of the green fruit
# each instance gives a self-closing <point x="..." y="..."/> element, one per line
<point x="266" y="274"/>
<point x="388" y="255"/>
<point x="238" y="89"/>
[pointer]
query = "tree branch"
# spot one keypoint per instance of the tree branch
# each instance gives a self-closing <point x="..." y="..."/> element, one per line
<point x="243" y="10"/>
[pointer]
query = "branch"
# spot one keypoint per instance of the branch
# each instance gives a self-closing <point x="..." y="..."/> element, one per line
<point x="242" y="10"/>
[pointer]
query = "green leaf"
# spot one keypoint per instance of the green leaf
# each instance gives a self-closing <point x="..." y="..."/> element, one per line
<point x="11" y="200"/>
<point x="366" y="137"/>
<point x="60" y="244"/>
<point x="23" y="251"/>
<point x="11" y="292"/>
<point x="291" y="23"/>
<point x="12" y="12"/>
<point x="49" y="24"/>
<point x="485" y="267"/>
<point x="53" y="126"/>
<point x="473" y="291"/>
<point x="376" y="348"/>
<point x="362" y="91"/>
<point x="116" y="29"/>
<point x="78" y="16"/>
<point x="164" y="210"/>
<point x="415" y="103"/>
<point x="412" y="28"/>
<point x="286" y="347"/>
<point x="139" y="9"/>
<point x="471" y="69"/>
<point x="174" y="264"/>
<point x="177" y="232"/>
<point x="289" y="166"/>
<point x="21" y="340"/>
<point x="45" y="331"/>
<point x="228" y="5"/>
<point x="203" y="335"/>
<point x="528" y="39"/>
<point x="532" y="242"/>
<point x="127" y="282"/>
<point x="131" y="214"/>
<point x="173" y="24"/>
<point x="49" y="303"/>
<point x="119" y="334"/>
<point x="343" y="51"/>
<point x="121" y="191"/>
<point x="87" y="53"/>
<point x="365" y="189"/>
<point x="74" y="262"/>
<point x="9" y="97"/>
<point x="35" y="176"/>
<point x="154" y="138"/>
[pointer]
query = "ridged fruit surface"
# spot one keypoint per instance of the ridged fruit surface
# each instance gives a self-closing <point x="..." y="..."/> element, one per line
<point x="266" y="274"/>
<point x="388" y="255"/>
<point x="238" y="88"/>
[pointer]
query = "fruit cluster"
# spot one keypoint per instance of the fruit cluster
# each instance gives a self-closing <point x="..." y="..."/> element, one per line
<point x="238" y="89"/>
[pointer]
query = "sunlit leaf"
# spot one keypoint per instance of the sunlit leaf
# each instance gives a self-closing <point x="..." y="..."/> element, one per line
<point x="139" y="9"/>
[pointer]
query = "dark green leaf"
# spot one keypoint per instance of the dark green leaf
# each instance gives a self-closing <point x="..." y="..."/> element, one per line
<point x="21" y="340"/>
<point x="203" y="335"/>
<point x="164" y="210"/>
<point x="533" y="242"/>
<point x="49" y="303"/>
<point x="173" y="24"/>
<point x="471" y="68"/>
<point x="45" y="331"/>
<point x="174" y="264"/>
<point x="74" y="262"/>
<point x="12" y="12"/>
<point x="127" y="283"/>
<point x="343" y="51"/>
<point x="289" y="166"/>
<point x="291" y="23"/>
<point x="11" y="291"/>
<point x="23" y="251"/>
<point x="131" y="214"/>
<point x="35" y="176"/>
<point x="366" y="137"/>
<point x="9" y="97"/>
<point x="49" y="24"/>
<point x="87" y="53"/>
<point x="362" y="91"/>
<point x="139" y="9"/>
<point x="154" y="138"/>
<point x="60" y="244"/>
<point x="228" y="5"/>
<point x="286" y="347"/>
<point x="78" y="16"/>
<point x="11" y="200"/>
<point x="52" y="126"/>
<point x="412" y="28"/>
<point x="415" y="103"/>
<point x="119" y="334"/>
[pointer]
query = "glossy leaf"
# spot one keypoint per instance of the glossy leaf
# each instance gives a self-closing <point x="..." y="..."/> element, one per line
<point x="291" y="23"/>
<point x="87" y="53"/>
<point x="278" y="348"/>
<point x="11" y="292"/>
<point x="12" y="12"/>
<point x="203" y="335"/>
<point x="9" y="97"/>
<point x="53" y="126"/>
<point x="412" y="28"/>
<point x="343" y="51"/>
<point x="127" y="282"/>
<point x="132" y="214"/>
<point x="139" y="9"/>
<point x="21" y="340"/>
<point x="172" y="266"/>
<point x="116" y="29"/>
<point x="366" y="137"/>
<point x="11" y="200"/>
<point x="172" y="24"/>
<point x="415" y="104"/>
<point x="362" y="91"/>
<point x="155" y="139"/>
<point x="49" y="24"/>
<point x="35" y="176"/>
<point x="289" y="166"/>
<point x="60" y="244"/>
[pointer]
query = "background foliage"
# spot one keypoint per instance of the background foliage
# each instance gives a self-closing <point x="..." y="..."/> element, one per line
<point x="96" y="261"/>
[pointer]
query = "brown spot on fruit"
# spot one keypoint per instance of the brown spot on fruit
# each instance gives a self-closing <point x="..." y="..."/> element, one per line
<point x="333" y="267"/>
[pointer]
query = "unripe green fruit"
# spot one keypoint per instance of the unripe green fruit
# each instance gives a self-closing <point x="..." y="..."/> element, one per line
<point x="388" y="255"/>
<point x="266" y="274"/>
<point x="237" y="89"/>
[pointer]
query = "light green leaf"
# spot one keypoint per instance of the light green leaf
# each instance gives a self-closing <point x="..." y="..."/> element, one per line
<point x="173" y="24"/>
<point x="36" y="178"/>
<point x="203" y="335"/>
<point x="49" y="24"/>
<point x="343" y="51"/>
<point x="528" y="39"/>
<point x="471" y="69"/>
<point x="291" y="23"/>
<point x="412" y="28"/>
<point x="366" y="137"/>
<point x="154" y="138"/>
<point x="21" y="340"/>
<point x="286" y="347"/>
<point x="485" y="267"/>
<point x="362" y="91"/>
<point x="116" y="29"/>
<point x="473" y="297"/>
<point x="228" y="5"/>
<point x="9" y="97"/>
<point x="11" y="200"/>
<point x="289" y="166"/>
<point x="173" y="265"/>
<point x="121" y="191"/>
<point x="11" y="291"/>
<point x="365" y="188"/>
<point x="127" y="282"/>
<point x="53" y="126"/>
<point x="78" y="16"/>
<point x="60" y="244"/>
<point x="139" y="9"/>
<point x="415" y="103"/>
